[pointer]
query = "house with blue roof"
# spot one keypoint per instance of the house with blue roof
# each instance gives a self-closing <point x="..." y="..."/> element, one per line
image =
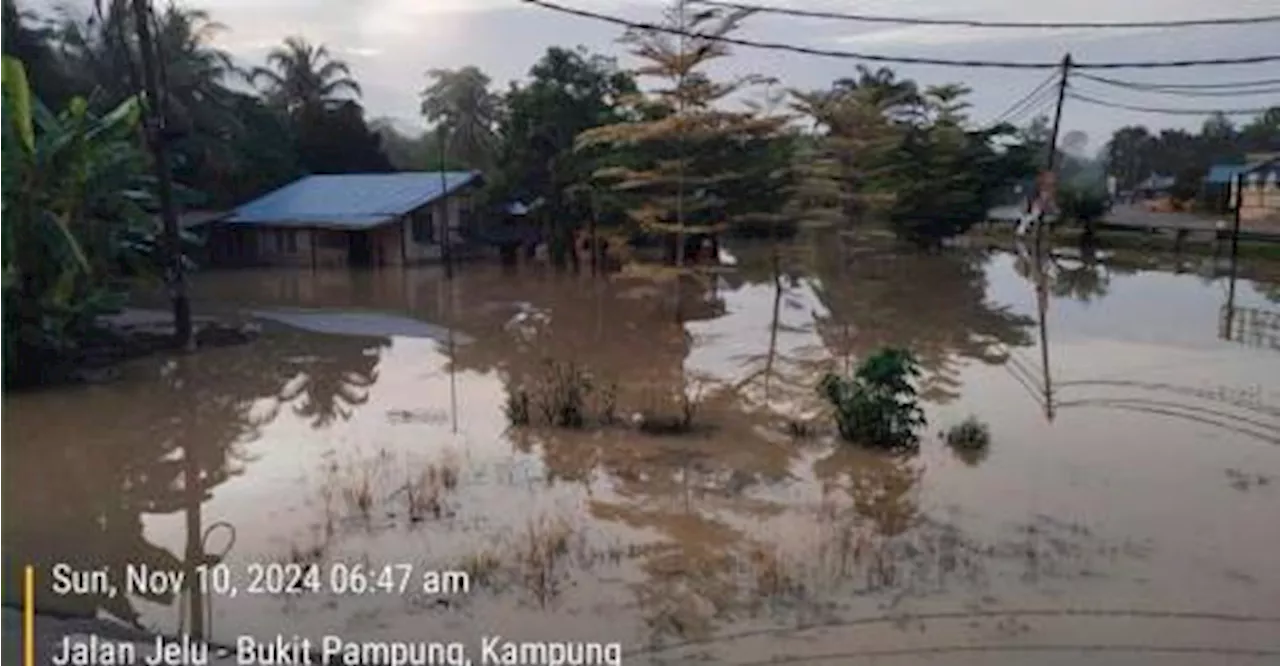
<point x="1260" y="195"/>
<point x="364" y="219"/>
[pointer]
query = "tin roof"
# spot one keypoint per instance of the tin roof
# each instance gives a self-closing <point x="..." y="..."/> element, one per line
<point x="1222" y="174"/>
<point x="350" y="201"/>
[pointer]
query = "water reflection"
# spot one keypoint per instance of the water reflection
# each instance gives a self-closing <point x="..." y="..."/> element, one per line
<point x="740" y="522"/>
<point x="175" y="434"/>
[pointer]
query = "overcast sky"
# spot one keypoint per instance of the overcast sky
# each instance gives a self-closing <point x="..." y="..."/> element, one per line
<point x="391" y="43"/>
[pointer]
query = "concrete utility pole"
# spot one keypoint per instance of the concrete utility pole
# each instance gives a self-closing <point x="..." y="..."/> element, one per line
<point x="1052" y="158"/>
<point x="155" y="127"/>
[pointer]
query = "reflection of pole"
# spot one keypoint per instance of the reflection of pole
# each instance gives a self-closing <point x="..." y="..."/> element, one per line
<point x="195" y="555"/>
<point x="1042" y="303"/>
<point x="773" y="328"/>
<point x="453" y="363"/>
<point x="1229" y="314"/>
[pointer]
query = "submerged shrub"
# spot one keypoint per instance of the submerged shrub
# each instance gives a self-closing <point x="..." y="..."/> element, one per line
<point x="878" y="406"/>
<point x="969" y="440"/>
<point x="565" y="391"/>
<point x="970" y="434"/>
<point x="517" y="407"/>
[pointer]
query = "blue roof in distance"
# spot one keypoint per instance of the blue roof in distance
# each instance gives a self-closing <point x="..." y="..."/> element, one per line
<point x="349" y="201"/>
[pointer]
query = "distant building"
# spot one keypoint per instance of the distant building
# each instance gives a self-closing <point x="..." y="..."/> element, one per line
<point x="383" y="219"/>
<point x="1154" y="187"/>
<point x="1260" y="198"/>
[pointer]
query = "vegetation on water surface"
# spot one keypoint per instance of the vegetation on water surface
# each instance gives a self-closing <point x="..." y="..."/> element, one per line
<point x="878" y="406"/>
<point x="970" y="440"/>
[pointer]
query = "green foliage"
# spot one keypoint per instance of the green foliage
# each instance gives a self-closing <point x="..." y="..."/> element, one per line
<point x="884" y="147"/>
<point x="569" y="91"/>
<point x="1082" y="205"/>
<point x="970" y="434"/>
<point x="1135" y="153"/>
<point x="687" y="166"/>
<point x="878" y="406"/>
<point x="459" y="103"/>
<point x="74" y="222"/>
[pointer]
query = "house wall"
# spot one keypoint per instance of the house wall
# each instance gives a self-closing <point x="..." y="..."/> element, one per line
<point x="456" y="211"/>
<point x="1259" y="202"/>
<point x="390" y="245"/>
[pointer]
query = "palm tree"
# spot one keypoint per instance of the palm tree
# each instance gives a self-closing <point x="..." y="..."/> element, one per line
<point x="302" y="76"/>
<point x="460" y="103"/>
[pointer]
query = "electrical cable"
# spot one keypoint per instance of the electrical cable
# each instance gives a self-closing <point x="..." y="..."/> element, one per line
<point x="1184" y="86"/>
<point x="905" y="60"/>
<point x="1148" y="109"/>
<point x="979" y="23"/>
<point x="1027" y="102"/>
<point x="1206" y="91"/>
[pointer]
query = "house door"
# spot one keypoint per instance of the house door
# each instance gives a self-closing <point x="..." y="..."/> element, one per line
<point x="360" y="248"/>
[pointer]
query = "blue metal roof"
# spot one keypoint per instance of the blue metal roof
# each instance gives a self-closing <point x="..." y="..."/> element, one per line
<point x="1223" y="174"/>
<point x="349" y="201"/>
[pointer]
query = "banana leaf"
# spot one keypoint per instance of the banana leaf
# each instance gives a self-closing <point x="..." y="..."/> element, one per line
<point x="18" y="90"/>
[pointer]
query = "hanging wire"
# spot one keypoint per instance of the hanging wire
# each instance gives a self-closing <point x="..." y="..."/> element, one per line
<point x="905" y="60"/>
<point x="1032" y="100"/>
<point x="981" y="23"/>
<point x="1182" y="86"/>
<point x="1216" y="91"/>
<point x="1152" y="109"/>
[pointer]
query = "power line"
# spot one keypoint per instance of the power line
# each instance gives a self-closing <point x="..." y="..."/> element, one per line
<point x="1148" y="109"/>
<point x="1022" y="105"/>
<point x="1194" y="90"/>
<point x="905" y="60"/>
<point x="1188" y="86"/>
<point x="978" y="23"/>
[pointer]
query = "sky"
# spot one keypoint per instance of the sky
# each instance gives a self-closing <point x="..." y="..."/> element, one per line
<point x="390" y="44"/>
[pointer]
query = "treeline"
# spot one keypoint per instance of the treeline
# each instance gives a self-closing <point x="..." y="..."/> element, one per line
<point x="663" y="151"/>
<point x="1136" y="153"/>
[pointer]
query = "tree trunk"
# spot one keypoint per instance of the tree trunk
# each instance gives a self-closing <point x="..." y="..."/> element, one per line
<point x="155" y="127"/>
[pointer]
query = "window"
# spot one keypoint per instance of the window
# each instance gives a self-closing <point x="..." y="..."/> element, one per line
<point x="423" y="227"/>
<point x="290" y="243"/>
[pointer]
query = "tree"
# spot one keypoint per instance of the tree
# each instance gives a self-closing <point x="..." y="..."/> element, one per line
<point x="73" y="223"/>
<point x="947" y="177"/>
<point x="569" y="92"/>
<point x="459" y="102"/>
<point x="300" y="76"/>
<point x="29" y="40"/>
<point x="842" y="173"/>
<point x="337" y="140"/>
<point x="679" y="168"/>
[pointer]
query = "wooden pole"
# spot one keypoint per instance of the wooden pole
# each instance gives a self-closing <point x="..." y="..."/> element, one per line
<point x="1052" y="157"/>
<point x="155" y="126"/>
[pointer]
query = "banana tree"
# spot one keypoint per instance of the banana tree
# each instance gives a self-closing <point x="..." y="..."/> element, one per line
<point x="75" y="205"/>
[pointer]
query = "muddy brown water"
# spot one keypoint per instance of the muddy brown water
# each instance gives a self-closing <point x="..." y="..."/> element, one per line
<point x="1128" y="509"/>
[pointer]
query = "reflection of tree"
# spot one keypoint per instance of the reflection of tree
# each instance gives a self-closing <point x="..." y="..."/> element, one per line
<point x="884" y="487"/>
<point x="83" y="470"/>
<point x="932" y="304"/>
<point x="333" y="383"/>
<point x="1079" y="276"/>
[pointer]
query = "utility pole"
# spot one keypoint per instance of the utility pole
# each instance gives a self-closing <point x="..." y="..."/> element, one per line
<point x="155" y="127"/>
<point x="1052" y="158"/>
<point x="446" y="240"/>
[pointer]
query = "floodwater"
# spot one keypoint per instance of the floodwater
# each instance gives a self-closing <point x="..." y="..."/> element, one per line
<point x="1128" y="510"/>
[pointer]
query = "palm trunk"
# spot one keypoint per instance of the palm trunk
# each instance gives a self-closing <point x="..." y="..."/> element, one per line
<point x="155" y="127"/>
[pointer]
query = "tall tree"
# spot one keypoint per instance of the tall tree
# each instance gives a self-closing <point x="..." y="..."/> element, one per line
<point x="461" y="104"/>
<point x="680" y="168"/>
<point x="569" y="92"/>
<point x="302" y="76"/>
